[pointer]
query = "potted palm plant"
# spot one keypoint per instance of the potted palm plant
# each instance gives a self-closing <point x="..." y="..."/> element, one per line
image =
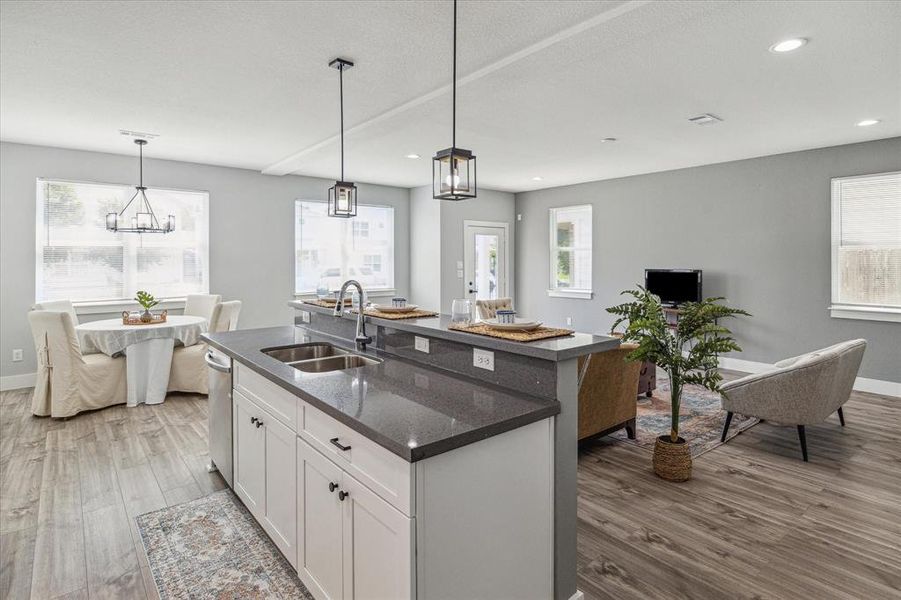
<point x="688" y="352"/>
<point x="147" y="301"/>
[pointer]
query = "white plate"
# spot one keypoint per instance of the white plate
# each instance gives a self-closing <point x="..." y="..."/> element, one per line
<point x="395" y="309"/>
<point x="519" y="325"/>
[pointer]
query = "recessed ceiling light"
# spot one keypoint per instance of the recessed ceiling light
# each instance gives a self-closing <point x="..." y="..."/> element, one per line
<point x="788" y="45"/>
<point x="867" y="122"/>
<point x="605" y="140"/>
<point x="538" y="178"/>
<point x="411" y="156"/>
<point x="705" y="119"/>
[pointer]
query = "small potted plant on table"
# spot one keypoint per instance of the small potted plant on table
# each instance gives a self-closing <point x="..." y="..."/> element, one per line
<point x="147" y="301"/>
<point x="688" y="351"/>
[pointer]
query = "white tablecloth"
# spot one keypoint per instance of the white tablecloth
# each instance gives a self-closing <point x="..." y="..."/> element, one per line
<point x="147" y="348"/>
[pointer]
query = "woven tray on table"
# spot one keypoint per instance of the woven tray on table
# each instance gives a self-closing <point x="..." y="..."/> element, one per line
<point x="326" y="303"/>
<point x="540" y="333"/>
<point x="413" y="314"/>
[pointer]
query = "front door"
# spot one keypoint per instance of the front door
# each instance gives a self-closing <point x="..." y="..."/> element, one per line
<point x="485" y="260"/>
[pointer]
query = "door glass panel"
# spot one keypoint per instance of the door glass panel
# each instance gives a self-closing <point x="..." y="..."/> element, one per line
<point x="486" y="266"/>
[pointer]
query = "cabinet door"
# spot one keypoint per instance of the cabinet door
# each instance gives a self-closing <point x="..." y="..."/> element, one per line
<point x="378" y="542"/>
<point x="319" y="522"/>
<point x="250" y="455"/>
<point x="280" y="520"/>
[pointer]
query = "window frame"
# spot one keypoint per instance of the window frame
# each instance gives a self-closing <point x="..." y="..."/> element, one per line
<point x="370" y="292"/>
<point x="838" y="309"/>
<point x="115" y="305"/>
<point x="553" y="290"/>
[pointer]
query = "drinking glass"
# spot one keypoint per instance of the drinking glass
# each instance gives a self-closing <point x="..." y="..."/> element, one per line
<point x="461" y="311"/>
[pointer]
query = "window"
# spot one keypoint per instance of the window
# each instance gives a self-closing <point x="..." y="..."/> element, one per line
<point x="570" y="259"/>
<point x="79" y="260"/>
<point x="329" y="251"/>
<point x="866" y="247"/>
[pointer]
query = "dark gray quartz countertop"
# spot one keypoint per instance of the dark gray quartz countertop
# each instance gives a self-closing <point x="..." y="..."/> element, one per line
<point x="412" y="410"/>
<point x="554" y="349"/>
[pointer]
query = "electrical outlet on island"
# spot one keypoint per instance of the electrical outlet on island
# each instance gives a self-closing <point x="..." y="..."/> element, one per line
<point x="483" y="359"/>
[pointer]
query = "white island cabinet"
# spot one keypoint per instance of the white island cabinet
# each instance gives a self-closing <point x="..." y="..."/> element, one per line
<point x="360" y="522"/>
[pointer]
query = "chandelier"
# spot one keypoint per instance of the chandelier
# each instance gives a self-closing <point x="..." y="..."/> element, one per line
<point x="144" y="220"/>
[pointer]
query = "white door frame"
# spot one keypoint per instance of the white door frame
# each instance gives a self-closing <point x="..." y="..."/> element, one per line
<point x="508" y="291"/>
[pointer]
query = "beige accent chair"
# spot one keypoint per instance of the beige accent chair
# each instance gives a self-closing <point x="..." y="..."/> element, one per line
<point x="202" y="305"/>
<point x="487" y="309"/>
<point x="69" y="382"/>
<point x="58" y="306"/>
<point x="188" y="372"/>
<point x="608" y="393"/>
<point x="803" y="390"/>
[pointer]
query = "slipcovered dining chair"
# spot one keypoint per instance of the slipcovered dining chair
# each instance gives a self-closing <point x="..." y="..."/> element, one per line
<point x="189" y="371"/>
<point x="58" y="306"/>
<point x="69" y="382"/>
<point x="487" y="309"/>
<point x="201" y="305"/>
<point x="803" y="390"/>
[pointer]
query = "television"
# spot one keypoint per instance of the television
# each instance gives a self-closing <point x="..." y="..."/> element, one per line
<point x="674" y="286"/>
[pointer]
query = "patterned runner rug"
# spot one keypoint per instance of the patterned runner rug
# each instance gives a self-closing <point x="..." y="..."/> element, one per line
<point x="211" y="548"/>
<point x="701" y="419"/>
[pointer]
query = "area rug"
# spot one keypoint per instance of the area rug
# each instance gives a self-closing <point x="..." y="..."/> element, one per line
<point x="211" y="548"/>
<point x="701" y="419"/>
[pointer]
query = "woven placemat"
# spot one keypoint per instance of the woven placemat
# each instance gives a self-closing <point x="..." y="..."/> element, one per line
<point x="325" y="304"/>
<point x="541" y="333"/>
<point x="413" y="314"/>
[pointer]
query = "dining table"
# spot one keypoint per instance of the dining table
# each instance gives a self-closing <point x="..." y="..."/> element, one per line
<point x="147" y="348"/>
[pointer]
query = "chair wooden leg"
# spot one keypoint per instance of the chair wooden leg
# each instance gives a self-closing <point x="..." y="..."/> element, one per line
<point x="630" y="429"/>
<point x="726" y="426"/>
<point x="841" y="416"/>
<point x="803" y="437"/>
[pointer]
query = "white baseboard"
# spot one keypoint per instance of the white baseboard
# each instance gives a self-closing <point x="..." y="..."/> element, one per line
<point x="16" y="382"/>
<point x="861" y="384"/>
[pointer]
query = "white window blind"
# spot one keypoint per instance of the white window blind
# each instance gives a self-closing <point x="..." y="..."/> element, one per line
<point x="79" y="260"/>
<point x="329" y="251"/>
<point x="570" y="251"/>
<point x="866" y="243"/>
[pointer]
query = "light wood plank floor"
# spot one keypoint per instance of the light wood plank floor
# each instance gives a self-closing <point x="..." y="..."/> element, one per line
<point x="754" y="522"/>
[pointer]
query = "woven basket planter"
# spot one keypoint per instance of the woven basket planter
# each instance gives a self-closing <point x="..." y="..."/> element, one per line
<point x="672" y="461"/>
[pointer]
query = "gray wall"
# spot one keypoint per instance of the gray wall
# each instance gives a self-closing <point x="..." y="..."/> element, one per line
<point x="759" y="228"/>
<point x="440" y="230"/>
<point x="251" y="230"/>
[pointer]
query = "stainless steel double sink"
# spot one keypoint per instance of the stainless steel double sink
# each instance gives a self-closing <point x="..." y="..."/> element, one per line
<point x="319" y="357"/>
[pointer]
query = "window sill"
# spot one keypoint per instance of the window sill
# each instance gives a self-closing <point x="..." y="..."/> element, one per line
<point x="579" y="294"/>
<point x="383" y="293"/>
<point x="866" y="313"/>
<point x="111" y="307"/>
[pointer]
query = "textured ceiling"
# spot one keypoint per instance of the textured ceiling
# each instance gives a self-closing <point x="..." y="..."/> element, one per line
<point x="541" y="82"/>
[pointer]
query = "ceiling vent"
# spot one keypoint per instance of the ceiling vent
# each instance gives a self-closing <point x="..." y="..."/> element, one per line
<point x="705" y="119"/>
<point x="141" y="135"/>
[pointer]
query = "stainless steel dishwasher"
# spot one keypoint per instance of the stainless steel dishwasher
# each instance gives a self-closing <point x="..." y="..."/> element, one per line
<point x="220" y="411"/>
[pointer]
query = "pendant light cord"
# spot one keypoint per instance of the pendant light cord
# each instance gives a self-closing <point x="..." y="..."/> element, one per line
<point x="341" y="94"/>
<point x="454" y="85"/>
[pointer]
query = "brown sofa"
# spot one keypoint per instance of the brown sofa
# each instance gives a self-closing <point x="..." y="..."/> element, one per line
<point x="608" y="391"/>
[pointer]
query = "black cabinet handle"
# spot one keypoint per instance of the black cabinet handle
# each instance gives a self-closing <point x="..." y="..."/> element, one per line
<point x="342" y="495"/>
<point x="253" y="420"/>
<point x="332" y="486"/>
<point x="338" y="445"/>
<point x="259" y="423"/>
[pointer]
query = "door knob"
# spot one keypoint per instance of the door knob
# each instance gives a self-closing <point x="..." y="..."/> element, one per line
<point x="253" y="420"/>
<point x="332" y="486"/>
<point x="259" y="423"/>
<point x="342" y="495"/>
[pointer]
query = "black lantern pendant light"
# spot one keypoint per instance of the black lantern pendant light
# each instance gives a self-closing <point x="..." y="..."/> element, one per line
<point x="144" y="220"/>
<point x="342" y="197"/>
<point x="454" y="169"/>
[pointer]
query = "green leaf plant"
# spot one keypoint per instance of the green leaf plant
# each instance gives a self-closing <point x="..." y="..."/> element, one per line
<point x="688" y="351"/>
<point x="146" y="300"/>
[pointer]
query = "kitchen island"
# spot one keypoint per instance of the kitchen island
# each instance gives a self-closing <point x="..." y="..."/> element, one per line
<point x="414" y="474"/>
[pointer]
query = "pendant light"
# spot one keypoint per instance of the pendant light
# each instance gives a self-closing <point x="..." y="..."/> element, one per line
<point x="454" y="169"/>
<point x="342" y="197"/>
<point x="144" y="220"/>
